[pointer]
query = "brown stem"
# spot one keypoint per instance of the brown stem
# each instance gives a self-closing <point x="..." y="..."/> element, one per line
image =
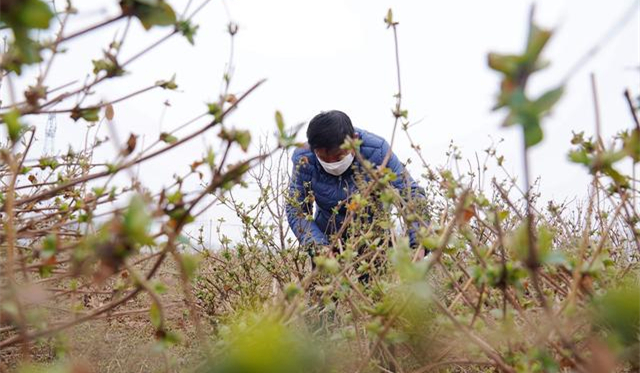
<point x="632" y="108"/>
<point x="84" y="31"/>
<point x="54" y="191"/>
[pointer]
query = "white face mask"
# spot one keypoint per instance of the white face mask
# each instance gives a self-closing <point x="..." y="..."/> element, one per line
<point x="337" y="168"/>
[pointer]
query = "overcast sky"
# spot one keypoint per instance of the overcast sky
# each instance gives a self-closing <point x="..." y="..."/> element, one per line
<point x="336" y="54"/>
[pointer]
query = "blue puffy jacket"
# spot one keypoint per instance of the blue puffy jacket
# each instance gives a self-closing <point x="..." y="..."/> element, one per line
<point x="328" y="190"/>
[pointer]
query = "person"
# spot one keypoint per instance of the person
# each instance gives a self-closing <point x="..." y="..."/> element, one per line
<point x="323" y="172"/>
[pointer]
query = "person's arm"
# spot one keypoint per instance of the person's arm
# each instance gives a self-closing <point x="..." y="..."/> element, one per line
<point x="299" y="207"/>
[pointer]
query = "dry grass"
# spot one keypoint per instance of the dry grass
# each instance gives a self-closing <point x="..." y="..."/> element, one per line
<point x="123" y="341"/>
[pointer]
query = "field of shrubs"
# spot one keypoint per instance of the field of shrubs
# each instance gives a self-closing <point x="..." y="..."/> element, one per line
<point x="100" y="275"/>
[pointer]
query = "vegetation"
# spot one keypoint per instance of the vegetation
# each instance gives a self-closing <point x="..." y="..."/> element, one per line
<point x="508" y="286"/>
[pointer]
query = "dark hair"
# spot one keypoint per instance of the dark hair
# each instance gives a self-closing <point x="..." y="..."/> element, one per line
<point x="329" y="129"/>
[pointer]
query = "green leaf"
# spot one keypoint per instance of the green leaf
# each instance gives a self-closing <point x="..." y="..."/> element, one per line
<point x="26" y="14"/>
<point x="216" y="111"/>
<point x="546" y="253"/>
<point x="149" y="12"/>
<point x="175" y="198"/>
<point x="49" y="247"/>
<point x="616" y="176"/>
<point x="137" y="222"/>
<point x="401" y="258"/>
<point x="168" y="138"/>
<point x="389" y="18"/>
<point x="155" y="316"/>
<point x="517" y="70"/>
<point x="234" y="175"/>
<point x="579" y="156"/>
<point x="168" y="84"/>
<point x="112" y="168"/>
<point x="259" y="343"/>
<point x="50" y="162"/>
<point x="280" y="123"/>
<point x="242" y="137"/>
<point x="210" y="158"/>
<point x="35" y="14"/>
<point x="291" y="290"/>
<point x="329" y="265"/>
<point x="532" y="134"/>
<point x="15" y="128"/>
<point x="284" y="139"/>
<point x="88" y="114"/>
<point x="505" y="63"/>
<point x="518" y="102"/>
<point x="187" y="30"/>
<point x="618" y="311"/>
<point x="162" y="15"/>
<point x="22" y="17"/>
<point x="23" y="51"/>
<point x="518" y="243"/>
<point x="545" y="102"/>
<point x="538" y="38"/>
<point x="578" y="138"/>
<point x="430" y="242"/>
<point x="109" y="65"/>
<point x="632" y="145"/>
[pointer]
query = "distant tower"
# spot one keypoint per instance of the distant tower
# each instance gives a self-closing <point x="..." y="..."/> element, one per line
<point x="50" y="135"/>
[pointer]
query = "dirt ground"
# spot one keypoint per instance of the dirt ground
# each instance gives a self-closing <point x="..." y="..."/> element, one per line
<point x="115" y="343"/>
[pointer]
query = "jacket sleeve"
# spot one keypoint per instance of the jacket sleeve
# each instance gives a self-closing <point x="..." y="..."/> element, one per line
<point x="404" y="183"/>
<point x="299" y="207"/>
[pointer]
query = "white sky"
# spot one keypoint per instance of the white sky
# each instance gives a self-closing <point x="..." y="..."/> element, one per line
<point x="331" y="54"/>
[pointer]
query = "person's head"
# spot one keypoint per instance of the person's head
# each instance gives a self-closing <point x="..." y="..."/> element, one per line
<point x="327" y="131"/>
